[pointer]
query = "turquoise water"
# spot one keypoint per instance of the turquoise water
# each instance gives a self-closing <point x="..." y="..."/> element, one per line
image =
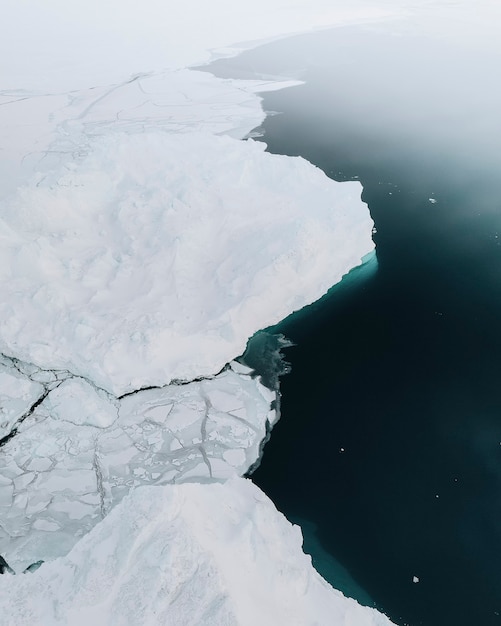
<point x="390" y="437"/>
<point x="330" y="568"/>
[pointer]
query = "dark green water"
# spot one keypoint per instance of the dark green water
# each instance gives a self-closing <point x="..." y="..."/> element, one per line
<point x="390" y="438"/>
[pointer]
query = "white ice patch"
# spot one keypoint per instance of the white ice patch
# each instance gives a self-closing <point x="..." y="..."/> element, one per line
<point x="39" y="133"/>
<point x="17" y="394"/>
<point x="78" y="402"/>
<point x="136" y="248"/>
<point x="216" y="554"/>
<point x="157" y="256"/>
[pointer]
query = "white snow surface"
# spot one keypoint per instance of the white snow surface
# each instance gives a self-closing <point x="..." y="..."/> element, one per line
<point x="17" y="394"/>
<point x="41" y="131"/>
<point x="141" y="244"/>
<point x="184" y="555"/>
<point x="156" y="256"/>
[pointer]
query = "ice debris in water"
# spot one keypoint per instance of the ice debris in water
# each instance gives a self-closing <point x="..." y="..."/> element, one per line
<point x="264" y="355"/>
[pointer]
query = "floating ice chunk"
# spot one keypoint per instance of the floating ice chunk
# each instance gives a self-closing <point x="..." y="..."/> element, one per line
<point x="234" y="457"/>
<point x="38" y="464"/>
<point x="80" y="403"/>
<point x="47" y="525"/>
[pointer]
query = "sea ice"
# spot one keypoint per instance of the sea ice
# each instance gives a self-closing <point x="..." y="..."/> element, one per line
<point x="156" y="256"/>
<point x="42" y="132"/>
<point x="80" y="451"/>
<point x="17" y="394"/>
<point x="191" y="554"/>
<point x="139" y="248"/>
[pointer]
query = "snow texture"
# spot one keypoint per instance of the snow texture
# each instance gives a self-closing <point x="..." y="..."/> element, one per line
<point x="136" y="247"/>
<point x="156" y="256"/>
<point x="40" y="132"/>
<point x="186" y="555"/>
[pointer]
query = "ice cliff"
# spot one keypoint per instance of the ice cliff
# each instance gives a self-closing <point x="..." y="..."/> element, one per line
<point x="140" y="249"/>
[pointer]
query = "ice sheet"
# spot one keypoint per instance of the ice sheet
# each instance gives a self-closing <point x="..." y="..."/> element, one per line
<point x="138" y="247"/>
<point x="79" y="451"/>
<point x="156" y="255"/>
<point x="215" y="554"/>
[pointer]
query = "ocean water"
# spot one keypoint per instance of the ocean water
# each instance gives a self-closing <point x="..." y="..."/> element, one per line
<point x="389" y="447"/>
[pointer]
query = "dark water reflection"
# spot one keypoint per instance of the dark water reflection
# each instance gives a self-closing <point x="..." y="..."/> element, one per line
<point x="390" y="440"/>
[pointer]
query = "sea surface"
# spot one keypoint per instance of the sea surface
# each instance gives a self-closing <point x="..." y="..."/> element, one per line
<point x="389" y="448"/>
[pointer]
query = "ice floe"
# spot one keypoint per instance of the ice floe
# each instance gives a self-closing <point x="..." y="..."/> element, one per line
<point x="80" y="450"/>
<point x="191" y="554"/>
<point x="139" y="250"/>
<point x="156" y="256"/>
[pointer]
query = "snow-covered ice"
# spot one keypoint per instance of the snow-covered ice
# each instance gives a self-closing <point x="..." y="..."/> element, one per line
<point x="141" y="245"/>
<point x="17" y="394"/>
<point x="156" y="256"/>
<point x="80" y="450"/>
<point x="191" y="554"/>
<point x="40" y="132"/>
